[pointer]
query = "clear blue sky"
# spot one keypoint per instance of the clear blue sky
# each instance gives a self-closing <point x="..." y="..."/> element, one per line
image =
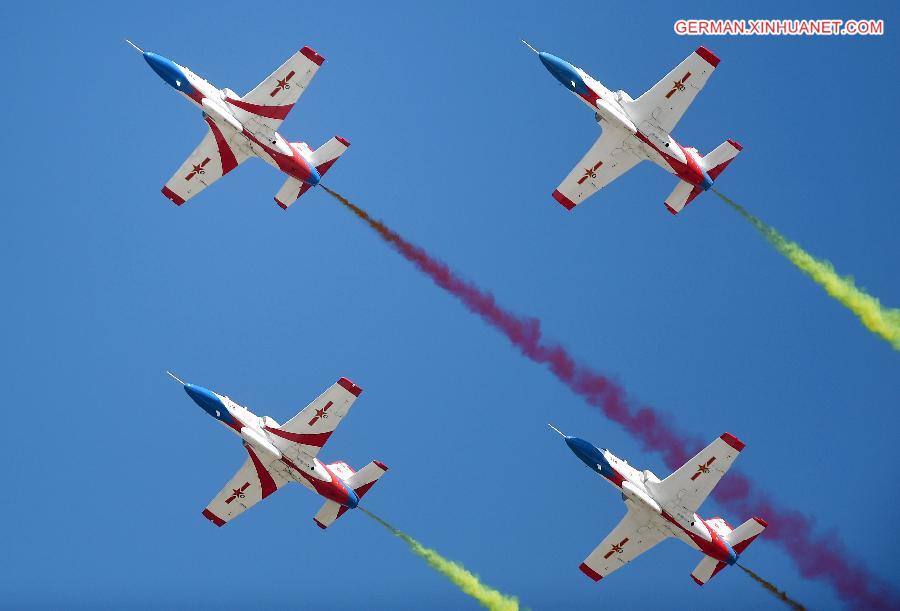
<point x="459" y="137"/>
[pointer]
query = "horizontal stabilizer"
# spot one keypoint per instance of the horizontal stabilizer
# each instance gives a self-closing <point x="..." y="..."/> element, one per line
<point x="715" y="162"/>
<point x="743" y="535"/>
<point x="322" y="159"/>
<point x="683" y="194"/>
<point x="363" y="480"/>
<point x="706" y="570"/>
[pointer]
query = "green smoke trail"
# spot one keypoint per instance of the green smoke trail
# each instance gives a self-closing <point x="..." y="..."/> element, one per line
<point x="779" y="594"/>
<point x="466" y="581"/>
<point x="877" y="319"/>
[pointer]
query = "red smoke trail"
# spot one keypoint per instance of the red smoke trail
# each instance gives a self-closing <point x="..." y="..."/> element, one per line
<point x="819" y="558"/>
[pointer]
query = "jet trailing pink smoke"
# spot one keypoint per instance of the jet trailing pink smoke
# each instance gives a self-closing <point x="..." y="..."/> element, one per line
<point x="819" y="558"/>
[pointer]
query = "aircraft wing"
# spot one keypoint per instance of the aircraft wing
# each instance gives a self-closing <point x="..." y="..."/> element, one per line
<point x="310" y="429"/>
<point x="631" y="537"/>
<point x="608" y="159"/>
<point x="686" y="489"/>
<point x="270" y="102"/>
<point x="211" y="160"/>
<point x="252" y="483"/>
<point x="666" y="101"/>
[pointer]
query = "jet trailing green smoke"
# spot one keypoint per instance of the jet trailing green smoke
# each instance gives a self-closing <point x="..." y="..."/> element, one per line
<point x="878" y="319"/>
<point x="455" y="572"/>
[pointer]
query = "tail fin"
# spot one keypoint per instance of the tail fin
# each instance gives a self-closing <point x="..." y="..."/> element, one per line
<point x="739" y="539"/>
<point x="322" y="158"/>
<point x="360" y="482"/>
<point x="715" y="162"/>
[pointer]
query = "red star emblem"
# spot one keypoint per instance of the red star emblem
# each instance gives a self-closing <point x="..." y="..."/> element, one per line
<point x="616" y="548"/>
<point x="678" y="85"/>
<point x="590" y="172"/>
<point x="320" y="413"/>
<point x="197" y="169"/>
<point x="282" y="84"/>
<point x="703" y="468"/>
<point x="237" y="493"/>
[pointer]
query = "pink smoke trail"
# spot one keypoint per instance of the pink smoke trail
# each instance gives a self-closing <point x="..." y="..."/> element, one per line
<point x="815" y="557"/>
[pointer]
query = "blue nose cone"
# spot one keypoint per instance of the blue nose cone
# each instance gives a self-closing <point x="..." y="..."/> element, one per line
<point x="563" y="71"/>
<point x="208" y="400"/>
<point x="314" y="176"/>
<point x="169" y="72"/>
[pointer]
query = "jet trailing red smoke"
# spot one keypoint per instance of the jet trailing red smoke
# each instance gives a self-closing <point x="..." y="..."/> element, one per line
<point x="818" y="558"/>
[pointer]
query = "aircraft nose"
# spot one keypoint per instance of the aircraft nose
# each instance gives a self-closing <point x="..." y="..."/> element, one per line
<point x="168" y="71"/>
<point x="559" y="68"/>
<point x="205" y="398"/>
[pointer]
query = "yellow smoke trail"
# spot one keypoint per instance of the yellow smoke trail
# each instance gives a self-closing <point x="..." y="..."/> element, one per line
<point x="466" y="581"/>
<point x="877" y="319"/>
<point x="793" y="604"/>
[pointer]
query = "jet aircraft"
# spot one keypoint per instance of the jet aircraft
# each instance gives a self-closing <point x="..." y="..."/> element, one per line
<point x="245" y="127"/>
<point x="636" y="130"/>
<point x="283" y="453"/>
<point x="657" y="510"/>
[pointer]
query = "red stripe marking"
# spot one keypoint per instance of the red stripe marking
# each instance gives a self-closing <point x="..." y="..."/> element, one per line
<point x="350" y="386"/>
<point x="265" y="478"/>
<point x="733" y="441"/>
<point x="308" y="439"/>
<point x="384" y="467"/>
<point x="718" y="568"/>
<point x="735" y="144"/>
<point x="283" y="207"/>
<point x="169" y="193"/>
<point x="697" y="581"/>
<point x="319" y="524"/>
<point x="229" y="161"/>
<point x="272" y="112"/>
<point x="341" y="510"/>
<point x="567" y="203"/>
<point x="342" y="141"/>
<point x="213" y="517"/>
<point x="671" y="209"/>
<point x="708" y="56"/>
<point x="590" y="572"/>
<point x="312" y="56"/>
<point x="361" y="491"/>
<point x="761" y="522"/>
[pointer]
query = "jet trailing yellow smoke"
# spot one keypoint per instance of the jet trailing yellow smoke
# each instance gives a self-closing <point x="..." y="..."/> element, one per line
<point x="877" y="319"/>
<point x="793" y="604"/>
<point x="466" y="581"/>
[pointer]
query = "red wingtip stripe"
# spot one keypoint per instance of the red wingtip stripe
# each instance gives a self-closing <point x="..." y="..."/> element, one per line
<point x="384" y="466"/>
<point x="735" y="144"/>
<point x="283" y="206"/>
<point x="708" y="56"/>
<point x="350" y="386"/>
<point x="266" y="482"/>
<point x="343" y="141"/>
<point x="170" y="194"/>
<point x="671" y="209"/>
<point x="312" y="56"/>
<point x="761" y="522"/>
<point x="733" y="441"/>
<point x="697" y="581"/>
<point x="567" y="203"/>
<point x="590" y="572"/>
<point x="213" y="517"/>
<point x="319" y="524"/>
